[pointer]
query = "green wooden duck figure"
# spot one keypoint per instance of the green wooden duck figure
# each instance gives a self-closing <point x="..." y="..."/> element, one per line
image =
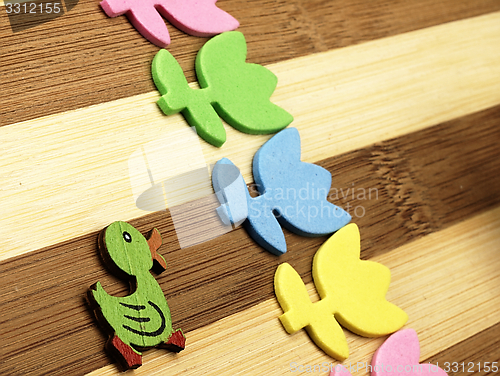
<point x="142" y="319"/>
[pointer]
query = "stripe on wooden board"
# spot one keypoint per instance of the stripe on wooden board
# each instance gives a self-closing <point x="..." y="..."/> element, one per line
<point x="470" y="356"/>
<point x="85" y="58"/>
<point x="62" y="168"/>
<point x="425" y="181"/>
<point x="445" y="308"/>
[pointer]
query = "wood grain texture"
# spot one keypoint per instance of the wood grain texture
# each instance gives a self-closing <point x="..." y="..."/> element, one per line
<point x="469" y="356"/>
<point x="85" y="58"/>
<point x="425" y="181"/>
<point x="342" y="100"/>
<point x="400" y="97"/>
<point x="253" y="341"/>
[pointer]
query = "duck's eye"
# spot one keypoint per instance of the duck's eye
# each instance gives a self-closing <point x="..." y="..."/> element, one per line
<point x="127" y="237"/>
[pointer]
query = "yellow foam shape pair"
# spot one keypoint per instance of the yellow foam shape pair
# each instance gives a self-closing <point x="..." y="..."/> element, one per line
<point x="352" y="294"/>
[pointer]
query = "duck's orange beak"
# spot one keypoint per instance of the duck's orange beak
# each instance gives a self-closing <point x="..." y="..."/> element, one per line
<point x="154" y="242"/>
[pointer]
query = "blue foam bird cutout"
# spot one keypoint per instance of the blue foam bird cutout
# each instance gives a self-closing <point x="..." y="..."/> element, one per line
<point x="293" y="194"/>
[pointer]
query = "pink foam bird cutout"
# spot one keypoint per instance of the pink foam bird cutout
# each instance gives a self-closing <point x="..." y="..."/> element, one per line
<point x="201" y="18"/>
<point x="398" y="355"/>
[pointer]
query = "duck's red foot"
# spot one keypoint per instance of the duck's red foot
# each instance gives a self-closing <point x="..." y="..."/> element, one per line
<point x="176" y="342"/>
<point x="127" y="357"/>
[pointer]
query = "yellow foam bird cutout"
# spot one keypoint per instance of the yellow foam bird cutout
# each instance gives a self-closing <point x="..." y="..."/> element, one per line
<point x="352" y="294"/>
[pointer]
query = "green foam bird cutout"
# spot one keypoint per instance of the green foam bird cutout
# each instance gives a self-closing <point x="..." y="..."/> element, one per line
<point x="142" y="319"/>
<point x="236" y="91"/>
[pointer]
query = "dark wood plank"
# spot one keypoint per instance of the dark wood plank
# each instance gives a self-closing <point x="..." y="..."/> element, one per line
<point x="425" y="182"/>
<point x="470" y="356"/>
<point x="85" y="58"/>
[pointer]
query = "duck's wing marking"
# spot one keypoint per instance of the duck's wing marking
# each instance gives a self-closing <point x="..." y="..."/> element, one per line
<point x="147" y="334"/>
<point x="135" y="307"/>
<point x="138" y="319"/>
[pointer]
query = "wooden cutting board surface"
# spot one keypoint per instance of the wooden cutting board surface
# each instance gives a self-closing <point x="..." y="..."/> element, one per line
<point x="399" y="100"/>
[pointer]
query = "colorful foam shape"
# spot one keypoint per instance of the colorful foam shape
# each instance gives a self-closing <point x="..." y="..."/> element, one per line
<point x="299" y="312"/>
<point x="236" y="91"/>
<point x="142" y="319"/>
<point x="352" y="293"/>
<point x="398" y="355"/>
<point x="293" y="194"/>
<point x="200" y="18"/>
<point x="231" y="191"/>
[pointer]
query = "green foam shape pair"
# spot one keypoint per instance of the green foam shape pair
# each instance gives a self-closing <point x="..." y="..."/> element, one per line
<point x="236" y="91"/>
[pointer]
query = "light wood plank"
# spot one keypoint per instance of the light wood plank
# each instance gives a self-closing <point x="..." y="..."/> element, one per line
<point x="447" y="282"/>
<point x="67" y="174"/>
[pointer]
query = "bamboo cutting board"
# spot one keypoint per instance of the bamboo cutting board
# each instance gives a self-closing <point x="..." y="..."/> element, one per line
<point x="399" y="100"/>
